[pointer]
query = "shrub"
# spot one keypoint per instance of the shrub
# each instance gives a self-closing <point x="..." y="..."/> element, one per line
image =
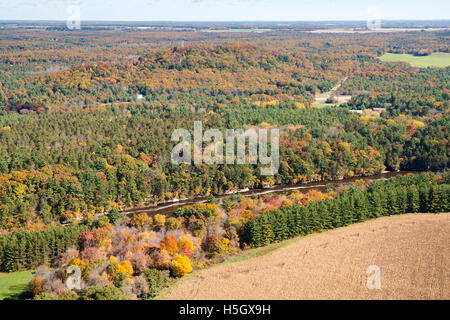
<point x="186" y="242"/>
<point x="91" y="254"/>
<point x="140" y="286"/>
<point x="227" y="204"/>
<point x="207" y="210"/>
<point x="67" y="295"/>
<point x="186" y="246"/>
<point x="156" y="281"/>
<point x="214" y="245"/>
<point x="172" y="224"/>
<point x="161" y="259"/>
<point x="170" y="244"/>
<point x="118" y="272"/>
<point x="125" y="267"/>
<point x="181" y="265"/>
<point x="36" y="286"/>
<point x="139" y="220"/>
<point x="104" y="293"/>
<point x="159" y="220"/>
<point x="86" y="239"/>
<point x="103" y="222"/>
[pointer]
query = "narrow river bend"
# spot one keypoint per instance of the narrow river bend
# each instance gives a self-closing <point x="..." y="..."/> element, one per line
<point x="167" y="208"/>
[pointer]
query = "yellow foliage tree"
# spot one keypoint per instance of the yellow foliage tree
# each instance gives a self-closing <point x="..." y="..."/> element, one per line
<point x="181" y="265"/>
<point x="159" y="220"/>
<point x="287" y="203"/>
<point x="185" y="242"/>
<point x="125" y="267"/>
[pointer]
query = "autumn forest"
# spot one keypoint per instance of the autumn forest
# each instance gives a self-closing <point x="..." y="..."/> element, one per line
<point x="86" y="118"/>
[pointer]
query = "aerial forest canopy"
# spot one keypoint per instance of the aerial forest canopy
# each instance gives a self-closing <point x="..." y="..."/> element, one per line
<point x="88" y="183"/>
<point x="86" y="118"/>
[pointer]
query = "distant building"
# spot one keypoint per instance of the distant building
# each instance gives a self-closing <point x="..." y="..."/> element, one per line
<point x="379" y="109"/>
<point x="140" y="97"/>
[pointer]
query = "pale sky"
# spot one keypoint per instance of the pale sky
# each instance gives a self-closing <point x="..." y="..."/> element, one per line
<point x="224" y="10"/>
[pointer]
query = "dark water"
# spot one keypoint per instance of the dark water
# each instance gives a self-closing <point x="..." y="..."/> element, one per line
<point x="167" y="208"/>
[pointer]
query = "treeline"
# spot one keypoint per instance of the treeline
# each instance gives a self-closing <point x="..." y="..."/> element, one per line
<point x="428" y="148"/>
<point x="401" y="89"/>
<point x="406" y="194"/>
<point x="28" y="250"/>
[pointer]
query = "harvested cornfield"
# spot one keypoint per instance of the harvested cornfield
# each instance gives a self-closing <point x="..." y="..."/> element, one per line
<point x="411" y="251"/>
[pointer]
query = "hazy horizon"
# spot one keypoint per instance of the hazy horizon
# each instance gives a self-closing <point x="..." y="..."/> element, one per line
<point x="224" y="21"/>
<point x="224" y="10"/>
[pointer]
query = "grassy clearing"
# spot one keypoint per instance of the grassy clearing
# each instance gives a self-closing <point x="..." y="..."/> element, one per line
<point x="14" y="285"/>
<point x="440" y="60"/>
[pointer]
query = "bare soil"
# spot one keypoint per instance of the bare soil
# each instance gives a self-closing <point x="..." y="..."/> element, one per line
<point x="412" y="252"/>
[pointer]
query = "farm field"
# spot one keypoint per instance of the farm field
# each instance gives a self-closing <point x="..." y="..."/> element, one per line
<point x="411" y="250"/>
<point x="14" y="284"/>
<point x="238" y="30"/>
<point x="440" y="60"/>
<point x="380" y="30"/>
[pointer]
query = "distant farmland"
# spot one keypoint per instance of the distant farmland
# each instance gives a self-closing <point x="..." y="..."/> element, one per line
<point x="411" y="251"/>
<point x="440" y="60"/>
<point x="237" y="30"/>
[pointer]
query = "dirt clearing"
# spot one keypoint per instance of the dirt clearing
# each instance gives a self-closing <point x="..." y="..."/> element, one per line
<point x="412" y="252"/>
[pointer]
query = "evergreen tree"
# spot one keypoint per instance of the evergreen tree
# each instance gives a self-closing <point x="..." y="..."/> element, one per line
<point x="413" y="199"/>
<point x="267" y="234"/>
<point x="10" y="263"/>
<point x="435" y="200"/>
<point x="114" y="216"/>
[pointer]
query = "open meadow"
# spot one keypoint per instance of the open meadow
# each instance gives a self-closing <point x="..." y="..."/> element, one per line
<point x="440" y="60"/>
<point x="13" y="285"/>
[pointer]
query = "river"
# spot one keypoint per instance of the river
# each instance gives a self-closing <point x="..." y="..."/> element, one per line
<point x="167" y="208"/>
